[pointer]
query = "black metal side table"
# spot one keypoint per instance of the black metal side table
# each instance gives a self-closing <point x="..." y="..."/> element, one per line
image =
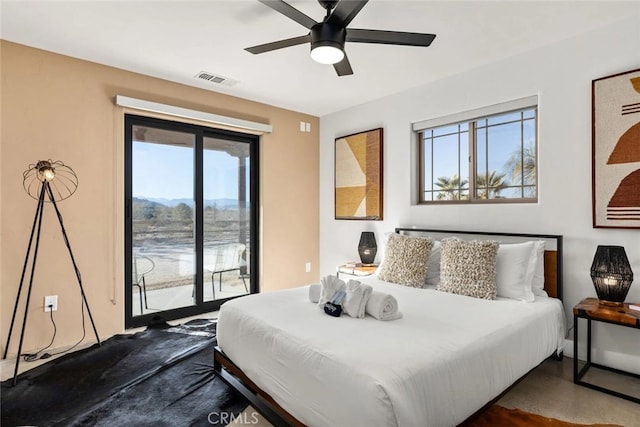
<point x="592" y="310"/>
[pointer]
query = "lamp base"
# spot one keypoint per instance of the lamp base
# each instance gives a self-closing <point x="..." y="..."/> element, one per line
<point x="611" y="303"/>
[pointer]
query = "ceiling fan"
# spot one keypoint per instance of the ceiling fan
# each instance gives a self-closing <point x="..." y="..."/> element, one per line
<point x="328" y="37"/>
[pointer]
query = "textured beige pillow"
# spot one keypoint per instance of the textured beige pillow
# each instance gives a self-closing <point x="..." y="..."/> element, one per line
<point x="469" y="267"/>
<point x="405" y="260"/>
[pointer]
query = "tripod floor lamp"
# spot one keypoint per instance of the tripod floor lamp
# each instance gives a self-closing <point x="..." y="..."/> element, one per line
<point x="45" y="181"/>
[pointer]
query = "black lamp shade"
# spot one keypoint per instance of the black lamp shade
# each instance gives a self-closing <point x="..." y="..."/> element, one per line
<point x="611" y="274"/>
<point x="367" y="247"/>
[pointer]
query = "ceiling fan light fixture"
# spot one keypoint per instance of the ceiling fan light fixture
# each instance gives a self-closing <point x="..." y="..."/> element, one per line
<point x="327" y="54"/>
<point x="327" y="43"/>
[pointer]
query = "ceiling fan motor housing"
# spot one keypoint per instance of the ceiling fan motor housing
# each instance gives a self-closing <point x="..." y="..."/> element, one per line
<point x="327" y="34"/>
<point x="328" y="4"/>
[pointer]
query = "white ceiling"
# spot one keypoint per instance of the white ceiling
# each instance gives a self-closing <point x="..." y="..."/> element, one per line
<point x="175" y="40"/>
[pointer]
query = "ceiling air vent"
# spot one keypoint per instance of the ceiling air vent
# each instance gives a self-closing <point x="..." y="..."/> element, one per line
<point x="215" y="78"/>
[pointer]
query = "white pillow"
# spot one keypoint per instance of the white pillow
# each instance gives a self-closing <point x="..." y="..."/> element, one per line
<point x="515" y="270"/>
<point x="537" y="285"/>
<point x="433" y="266"/>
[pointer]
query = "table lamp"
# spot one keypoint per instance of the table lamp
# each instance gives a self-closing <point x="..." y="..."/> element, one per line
<point x="367" y="247"/>
<point x="611" y="274"/>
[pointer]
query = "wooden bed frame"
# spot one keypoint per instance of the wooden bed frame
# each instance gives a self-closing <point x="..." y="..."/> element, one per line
<point x="231" y="374"/>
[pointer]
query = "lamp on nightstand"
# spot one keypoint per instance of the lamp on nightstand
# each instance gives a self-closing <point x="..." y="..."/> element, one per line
<point x="367" y="247"/>
<point x="611" y="274"/>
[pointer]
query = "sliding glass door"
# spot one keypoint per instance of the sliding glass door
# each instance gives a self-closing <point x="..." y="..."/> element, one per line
<point x="163" y="244"/>
<point x="190" y="219"/>
<point x="226" y="226"/>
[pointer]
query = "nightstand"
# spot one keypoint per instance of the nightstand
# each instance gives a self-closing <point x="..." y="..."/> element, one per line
<point x="356" y="269"/>
<point x="592" y="310"/>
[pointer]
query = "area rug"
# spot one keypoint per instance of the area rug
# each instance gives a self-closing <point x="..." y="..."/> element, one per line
<point x="498" y="416"/>
<point x="159" y="377"/>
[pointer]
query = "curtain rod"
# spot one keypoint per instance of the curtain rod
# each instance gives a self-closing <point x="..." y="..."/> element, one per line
<point x="139" y="104"/>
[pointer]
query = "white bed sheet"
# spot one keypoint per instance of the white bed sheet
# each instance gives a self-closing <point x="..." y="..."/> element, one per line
<point x="447" y="357"/>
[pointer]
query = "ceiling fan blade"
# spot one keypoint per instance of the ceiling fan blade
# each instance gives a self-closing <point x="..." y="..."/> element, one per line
<point x="345" y="11"/>
<point x="267" y="47"/>
<point x="389" y="37"/>
<point x="343" y="68"/>
<point x="290" y="12"/>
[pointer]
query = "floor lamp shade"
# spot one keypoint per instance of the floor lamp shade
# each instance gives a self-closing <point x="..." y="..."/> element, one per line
<point x="367" y="247"/>
<point x="58" y="179"/>
<point x="611" y="274"/>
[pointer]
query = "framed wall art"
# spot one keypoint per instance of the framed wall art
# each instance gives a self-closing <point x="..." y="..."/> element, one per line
<point x="358" y="176"/>
<point x="616" y="150"/>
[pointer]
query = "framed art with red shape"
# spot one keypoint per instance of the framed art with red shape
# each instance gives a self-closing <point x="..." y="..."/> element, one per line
<point x="616" y="150"/>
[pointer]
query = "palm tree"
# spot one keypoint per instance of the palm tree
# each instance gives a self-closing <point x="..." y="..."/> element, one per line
<point x="522" y="167"/>
<point x="451" y="188"/>
<point x="489" y="186"/>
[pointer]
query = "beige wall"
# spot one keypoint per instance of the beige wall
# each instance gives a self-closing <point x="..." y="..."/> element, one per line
<point x="60" y="108"/>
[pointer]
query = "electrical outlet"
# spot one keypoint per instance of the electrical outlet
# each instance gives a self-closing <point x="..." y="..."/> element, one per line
<point x="51" y="300"/>
<point x="307" y="267"/>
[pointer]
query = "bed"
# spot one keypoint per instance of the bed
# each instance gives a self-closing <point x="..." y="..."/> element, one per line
<point x="443" y="361"/>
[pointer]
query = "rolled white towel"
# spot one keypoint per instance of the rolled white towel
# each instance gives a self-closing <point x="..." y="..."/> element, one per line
<point x="330" y="285"/>
<point x="383" y="306"/>
<point x="314" y="292"/>
<point x="356" y="300"/>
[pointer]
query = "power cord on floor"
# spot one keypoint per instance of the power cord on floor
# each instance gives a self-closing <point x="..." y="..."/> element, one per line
<point x="30" y="357"/>
<point x="84" y="332"/>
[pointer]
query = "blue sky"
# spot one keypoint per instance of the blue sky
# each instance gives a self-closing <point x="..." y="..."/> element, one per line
<point x="166" y="171"/>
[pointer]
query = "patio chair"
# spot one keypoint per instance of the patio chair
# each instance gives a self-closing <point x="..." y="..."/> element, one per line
<point x="226" y="257"/>
<point x="142" y="265"/>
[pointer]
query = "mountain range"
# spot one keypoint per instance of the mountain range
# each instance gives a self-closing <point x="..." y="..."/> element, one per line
<point x="219" y="203"/>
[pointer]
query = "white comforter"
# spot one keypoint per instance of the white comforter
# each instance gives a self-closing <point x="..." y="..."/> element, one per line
<point x="446" y="358"/>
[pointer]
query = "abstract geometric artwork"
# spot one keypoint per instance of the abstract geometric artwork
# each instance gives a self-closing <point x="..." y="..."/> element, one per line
<point x="358" y="176"/>
<point x="616" y="150"/>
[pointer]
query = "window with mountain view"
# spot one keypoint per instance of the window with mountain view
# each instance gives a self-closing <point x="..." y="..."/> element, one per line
<point x="479" y="160"/>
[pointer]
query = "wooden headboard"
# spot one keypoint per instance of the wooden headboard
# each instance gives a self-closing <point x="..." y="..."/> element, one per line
<point x="552" y="252"/>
